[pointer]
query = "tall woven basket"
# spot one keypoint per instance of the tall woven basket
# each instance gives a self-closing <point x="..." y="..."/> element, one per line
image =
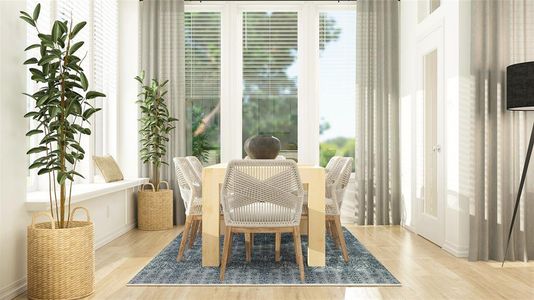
<point x="154" y="208"/>
<point x="61" y="262"/>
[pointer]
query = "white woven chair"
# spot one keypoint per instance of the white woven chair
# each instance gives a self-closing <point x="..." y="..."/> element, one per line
<point x="334" y="200"/>
<point x="191" y="192"/>
<point x="262" y="196"/>
<point x="332" y="171"/>
<point x="336" y="181"/>
<point x="331" y="163"/>
<point x="196" y="165"/>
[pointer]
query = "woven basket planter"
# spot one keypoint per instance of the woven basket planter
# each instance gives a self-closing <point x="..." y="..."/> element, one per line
<point x="154" y="208"/>
<point x="61" y="262"/>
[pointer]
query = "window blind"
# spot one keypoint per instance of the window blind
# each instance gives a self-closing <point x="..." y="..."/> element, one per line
<point x="78" y="11"/>
<point x="203" y="83"/>
<point x="270" y="87"/>
<point x="203" y="57"/>
<point x="43" y="23"/>
<point x="105" y="65"/>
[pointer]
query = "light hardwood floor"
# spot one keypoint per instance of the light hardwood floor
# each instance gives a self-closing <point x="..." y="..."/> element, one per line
<point x="425" y="271"/>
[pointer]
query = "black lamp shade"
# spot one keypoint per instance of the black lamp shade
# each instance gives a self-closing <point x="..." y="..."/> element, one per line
<point x="520" y="86"/>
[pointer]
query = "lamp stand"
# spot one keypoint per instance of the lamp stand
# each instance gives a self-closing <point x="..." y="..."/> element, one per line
<point x="521" y="184"/>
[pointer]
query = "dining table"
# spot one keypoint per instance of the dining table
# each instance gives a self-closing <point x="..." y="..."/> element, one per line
<point x="311" y="176"/>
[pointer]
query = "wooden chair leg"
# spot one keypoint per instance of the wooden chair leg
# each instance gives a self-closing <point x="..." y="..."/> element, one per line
<point x="185" y="234"/>
<point x="194" y="231"/>
<point x="337" y="221"/>
<point x="251" y="244"/>
<point x="298" y="251"/>
<point x="248" y="246"/>
<point x="277" y="242"/>
<point x="231" y="246"/>
<point x="333" y="232"/>
<point x="226" y="250"/>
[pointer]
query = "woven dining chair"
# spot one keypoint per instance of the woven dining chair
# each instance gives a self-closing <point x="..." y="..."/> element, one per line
<point x="331" y="163"/>
<point x="191" y="192"/>
<point x="262" y="196"/>
<point x="196" y="165"/>
<point x="336" y="181"/>
<point x="333" y="201"/>
<point x="332" y="171"/>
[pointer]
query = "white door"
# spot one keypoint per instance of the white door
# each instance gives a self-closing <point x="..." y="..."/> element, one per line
<point x="430" y="204"/>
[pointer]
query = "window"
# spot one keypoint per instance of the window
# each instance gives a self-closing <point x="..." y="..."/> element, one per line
<point x="100" y="64"/>
<point x="105" y="72"/>
<point x="203" y="83"/>
<point x="270" y="74"/>
<point x="337" y="80"/>
<point x="31" y="86"/>
<point x="286" y="70"/>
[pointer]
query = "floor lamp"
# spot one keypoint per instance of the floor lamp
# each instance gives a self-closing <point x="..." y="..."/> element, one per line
<point x="520" y="97"/>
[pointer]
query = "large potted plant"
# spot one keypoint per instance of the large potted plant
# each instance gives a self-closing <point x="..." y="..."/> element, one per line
<point x="154" y="205"/>
<point x="60" y="251"/>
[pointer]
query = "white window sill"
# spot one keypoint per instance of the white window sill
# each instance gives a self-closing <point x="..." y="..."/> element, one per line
<point x="39" y="200"/>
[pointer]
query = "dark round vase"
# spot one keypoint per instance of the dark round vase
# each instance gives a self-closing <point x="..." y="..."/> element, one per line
<point x="262" y="147"/>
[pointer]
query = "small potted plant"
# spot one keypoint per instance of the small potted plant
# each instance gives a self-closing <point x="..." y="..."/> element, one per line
<point x="61" y="259"/>
<point x="154" y="205"/>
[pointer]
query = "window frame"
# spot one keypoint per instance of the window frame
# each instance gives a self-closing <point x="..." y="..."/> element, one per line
<point x="232" y="70"/>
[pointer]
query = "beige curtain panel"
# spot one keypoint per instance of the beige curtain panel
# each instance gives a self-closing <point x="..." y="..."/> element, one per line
<point x="377" y="113"/>
<point x="162" y="57"/>
<point x="502" y="34"/>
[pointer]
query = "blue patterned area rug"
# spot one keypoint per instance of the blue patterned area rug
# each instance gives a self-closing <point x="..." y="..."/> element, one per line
<point x="363" y="269"/>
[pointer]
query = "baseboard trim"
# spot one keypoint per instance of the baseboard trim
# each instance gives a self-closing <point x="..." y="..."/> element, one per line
<point x="18" y="287"/>
<point x="409" y="228"/>
<point x="13" y="290"/>
<point x="455" y="249"/>
<point x="110" y="237"/>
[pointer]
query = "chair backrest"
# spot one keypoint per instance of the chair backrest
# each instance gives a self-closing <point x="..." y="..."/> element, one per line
<point x="331" y="163"/>
<point x="189" y="186"/>
<point x="196" y="165"/>
<point x="341" y="182"/>
<point x="333" y="170"/>
<point x="262" y="193"/>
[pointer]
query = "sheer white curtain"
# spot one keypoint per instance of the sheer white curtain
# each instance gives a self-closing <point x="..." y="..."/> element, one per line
<point x="377" y="113"/>
<point x="502" y="34"/>
<point x="162" y="57"/>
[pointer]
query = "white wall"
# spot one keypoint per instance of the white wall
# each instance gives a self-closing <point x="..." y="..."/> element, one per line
<point x="13" y="216"/>
<point x="453" y="17"/>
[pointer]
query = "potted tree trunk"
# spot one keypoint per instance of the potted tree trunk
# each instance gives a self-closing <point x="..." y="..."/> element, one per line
<point x="154" y="205"/>
<point x="60" y="251"/>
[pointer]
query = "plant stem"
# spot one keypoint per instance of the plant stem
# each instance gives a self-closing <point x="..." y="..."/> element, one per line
<point x="156" y="175"/>
<point x="62" y="145"/>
